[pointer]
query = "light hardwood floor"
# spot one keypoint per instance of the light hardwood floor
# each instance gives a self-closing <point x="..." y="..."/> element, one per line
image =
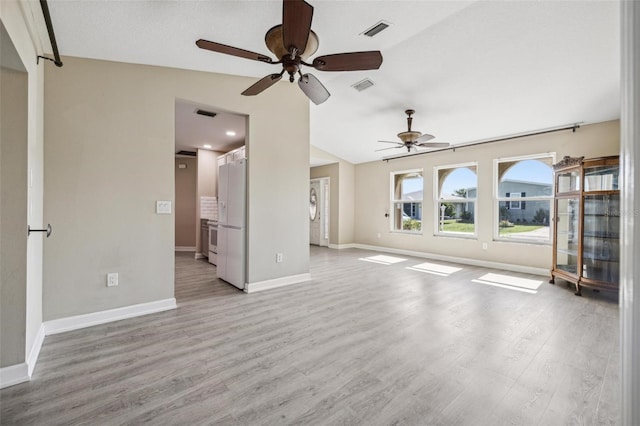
<point x="362" y="343"/>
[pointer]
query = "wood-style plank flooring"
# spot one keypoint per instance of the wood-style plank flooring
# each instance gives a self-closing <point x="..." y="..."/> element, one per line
<point x="362" y="343"/>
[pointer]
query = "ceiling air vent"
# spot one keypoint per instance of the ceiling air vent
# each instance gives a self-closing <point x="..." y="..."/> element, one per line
<point x="189" y="153"/>
<point x="362" y="85"/>
<point x="205" y="113"/>
<point x="377" y="29"/>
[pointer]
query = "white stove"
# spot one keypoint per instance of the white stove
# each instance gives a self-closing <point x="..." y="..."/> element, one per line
<point x="213" y="242"/>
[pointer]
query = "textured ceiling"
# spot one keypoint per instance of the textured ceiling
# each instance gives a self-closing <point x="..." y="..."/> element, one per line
<point x="471" y="70"/>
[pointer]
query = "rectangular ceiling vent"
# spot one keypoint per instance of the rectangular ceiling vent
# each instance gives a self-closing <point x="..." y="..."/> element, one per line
<point x="363" y="84"/>
<point x="188" y="153"/>
<point x="205" y="113"/>
<point x="377" y="29"/>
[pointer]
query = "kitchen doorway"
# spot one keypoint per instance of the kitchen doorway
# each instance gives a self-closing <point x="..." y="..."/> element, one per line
<point x="319" y="212"/>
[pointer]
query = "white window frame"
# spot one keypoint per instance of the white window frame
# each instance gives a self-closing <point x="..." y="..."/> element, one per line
<point x="437" y="201"/>
<point x="392" y="193"/>
<point x="497" y="199"/>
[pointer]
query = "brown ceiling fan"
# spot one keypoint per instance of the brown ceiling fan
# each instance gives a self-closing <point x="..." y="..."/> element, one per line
<point x="293" y="42"/>
<point x="412" y="139"/>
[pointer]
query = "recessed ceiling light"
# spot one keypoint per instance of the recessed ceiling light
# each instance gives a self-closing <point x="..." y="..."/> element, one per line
<point x="231" y="133"/>
<point x="207" y="146"/>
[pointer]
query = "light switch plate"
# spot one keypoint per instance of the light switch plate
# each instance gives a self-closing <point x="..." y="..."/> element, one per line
<point x="163" y="207"/>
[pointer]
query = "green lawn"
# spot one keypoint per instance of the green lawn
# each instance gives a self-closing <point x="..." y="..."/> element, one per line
<point x="516" y="229"/>
<point x="454" y="226"/>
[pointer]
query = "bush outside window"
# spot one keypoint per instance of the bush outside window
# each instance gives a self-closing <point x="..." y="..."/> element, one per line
<point x="406" y="199"/>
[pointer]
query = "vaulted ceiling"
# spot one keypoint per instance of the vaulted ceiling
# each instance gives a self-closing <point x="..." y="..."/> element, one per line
<point x="472" y="70"/>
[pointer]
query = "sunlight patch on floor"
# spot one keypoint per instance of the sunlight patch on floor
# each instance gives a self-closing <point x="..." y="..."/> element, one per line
<point x="435" y="269"/>
<point x="511" y="283"/>
<point x="383" y="260"/>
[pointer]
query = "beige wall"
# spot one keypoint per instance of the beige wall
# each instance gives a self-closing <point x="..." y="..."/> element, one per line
<point x="13" y="214"/>
<point x="347" y="202"/>
<point x="110" y="155"/>
<point x="186" y="202"/>
<point x="371" y="205"/>
<point x="21" y="20"/>
<point x="342" y="195"/>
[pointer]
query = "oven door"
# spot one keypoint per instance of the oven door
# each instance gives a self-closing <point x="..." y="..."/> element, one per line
<point x="213" y="243"/>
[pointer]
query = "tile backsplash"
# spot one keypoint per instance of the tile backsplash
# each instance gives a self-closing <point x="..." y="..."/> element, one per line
<point x="209" y="208"/>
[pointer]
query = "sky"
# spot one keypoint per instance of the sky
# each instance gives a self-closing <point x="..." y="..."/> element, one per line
<point x="527" y="170"/>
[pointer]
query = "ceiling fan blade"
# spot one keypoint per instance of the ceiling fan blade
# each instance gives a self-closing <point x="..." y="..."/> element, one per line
<point x="296" y="24"/>
<point x="353" y="61"/>
<point x="434" y="144"/>
<point x="397" y="143"/>
<point x="314" y="90"/>
<point x="425" y="137"/>
<point x="262" y="84"/>
<point x="393" y="147"/>
<point x="230" y="50"/>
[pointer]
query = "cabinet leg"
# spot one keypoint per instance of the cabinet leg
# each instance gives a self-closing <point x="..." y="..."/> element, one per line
<point x="552" y="280"/>
<point x="578" y="290"/>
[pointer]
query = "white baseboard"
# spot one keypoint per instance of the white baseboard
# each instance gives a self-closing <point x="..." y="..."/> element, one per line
<point x="179" y="248"/>
<point x="199" y="256"/>
<point x="14" y="374"/>
<point x="276" y="282"/>
<point x="87" y="320"/>
<point x="35" y="350"/>
<point x="461" y="260"/>
<point x="343" y="246"/>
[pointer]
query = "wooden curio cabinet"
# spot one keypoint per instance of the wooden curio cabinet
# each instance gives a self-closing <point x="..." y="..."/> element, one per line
<point x="586" y="224"/>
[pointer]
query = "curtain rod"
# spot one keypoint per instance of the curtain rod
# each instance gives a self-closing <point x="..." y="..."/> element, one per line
<point x="52" y="36"/>
<point x="571" y="127"/>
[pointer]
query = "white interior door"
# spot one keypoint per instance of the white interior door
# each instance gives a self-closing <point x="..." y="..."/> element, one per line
<point x="314" y="212"/>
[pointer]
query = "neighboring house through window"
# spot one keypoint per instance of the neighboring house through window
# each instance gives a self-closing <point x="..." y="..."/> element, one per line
<point x="524" y="198"/>
<point x="455" y="192"/>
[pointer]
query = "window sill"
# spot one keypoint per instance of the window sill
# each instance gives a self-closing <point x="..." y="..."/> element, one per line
<point x="456" y="235"/>
<point x="406" y="232"/>
<point x="522" y="241"/>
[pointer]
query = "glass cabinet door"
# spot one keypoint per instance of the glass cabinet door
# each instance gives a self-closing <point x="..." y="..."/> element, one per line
<point x="567" y="234"/>
<point x="568" y="181"/>
<point x="601" y="244"/>
<point x="601" y="178"/>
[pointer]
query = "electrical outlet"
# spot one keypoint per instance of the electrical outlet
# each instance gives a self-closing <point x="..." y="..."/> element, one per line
<point x="112" y="279"/>
<point x="163" y="207"/>
<point x="484" y="246"/>
<point x="279" y="257"/>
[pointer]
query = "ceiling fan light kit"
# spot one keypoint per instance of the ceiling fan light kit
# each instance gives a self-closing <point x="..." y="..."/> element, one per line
<point x="412" y="139"/>
<point x="293" y="42"/>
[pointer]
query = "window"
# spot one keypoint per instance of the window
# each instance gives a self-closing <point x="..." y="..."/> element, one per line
<point x="524" y="198"/>
<point x="456" y="192"/>
<point x="515" y="205"/>
<point x="406" y="200"/>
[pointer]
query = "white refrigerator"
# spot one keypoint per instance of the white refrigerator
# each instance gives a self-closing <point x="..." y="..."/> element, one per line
<point x="231" y="222"/>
